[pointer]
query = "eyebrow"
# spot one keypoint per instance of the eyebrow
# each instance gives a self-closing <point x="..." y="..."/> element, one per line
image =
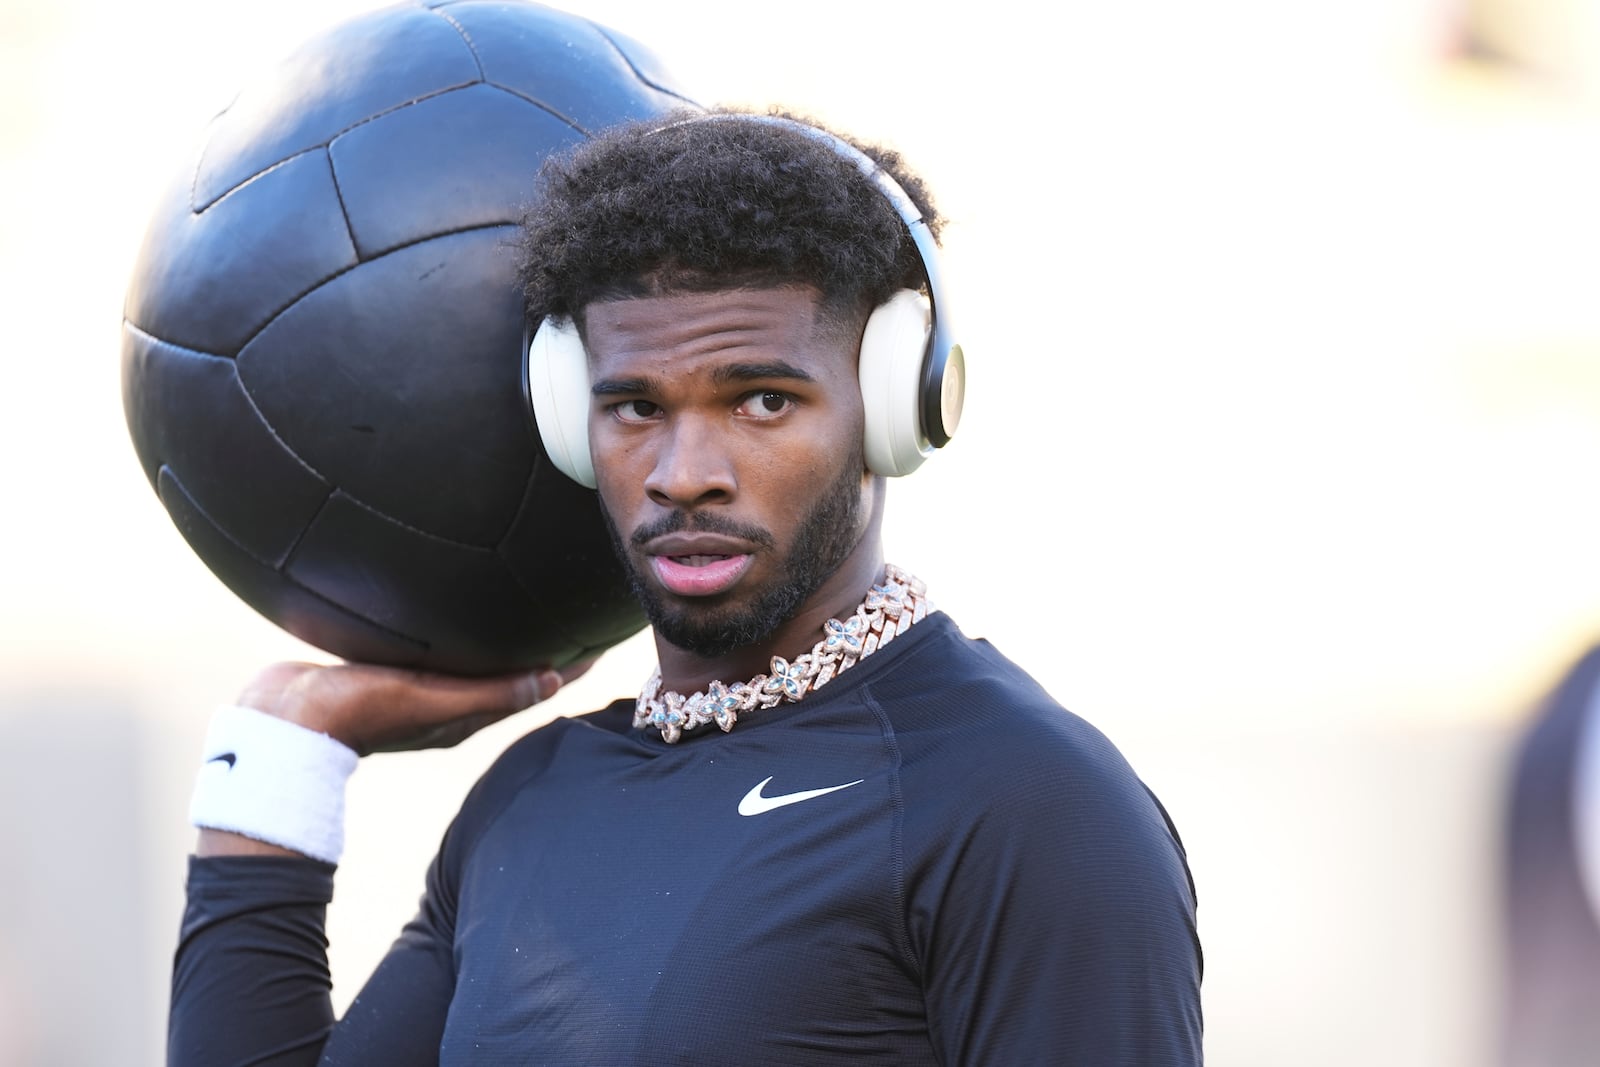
<point x="621" y="386"/>
<point x="775" y="370"/>
<point x="751" y="372"/>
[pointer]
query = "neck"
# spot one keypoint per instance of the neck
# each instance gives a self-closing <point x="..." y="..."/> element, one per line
<point x="685" y="672"/>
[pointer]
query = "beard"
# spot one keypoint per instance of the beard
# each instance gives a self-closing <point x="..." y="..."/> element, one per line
<point x="824" y="540"/>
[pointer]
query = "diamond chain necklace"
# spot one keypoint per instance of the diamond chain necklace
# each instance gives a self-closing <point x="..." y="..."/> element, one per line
<point x="889" y="610"/>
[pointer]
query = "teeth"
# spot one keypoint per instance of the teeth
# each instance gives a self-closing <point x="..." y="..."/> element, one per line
<point x="698" y="561"/>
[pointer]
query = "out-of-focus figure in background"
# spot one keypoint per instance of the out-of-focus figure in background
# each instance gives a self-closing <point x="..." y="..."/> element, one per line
<point x="1553" y="881"/>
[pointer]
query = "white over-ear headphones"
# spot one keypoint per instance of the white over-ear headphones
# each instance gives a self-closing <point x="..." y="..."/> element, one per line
<point x="913" y="376"/>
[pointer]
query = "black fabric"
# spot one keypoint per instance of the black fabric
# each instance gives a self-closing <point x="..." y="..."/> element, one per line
<point x="250" y="983"/>
<point x="990" y="884"/>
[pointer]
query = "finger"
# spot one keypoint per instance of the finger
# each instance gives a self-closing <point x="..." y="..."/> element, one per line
<point x="441" y="698"/>
<point x="370" y="707"/>
<point x="445" y="731"/>
<point x="502" y="693"/>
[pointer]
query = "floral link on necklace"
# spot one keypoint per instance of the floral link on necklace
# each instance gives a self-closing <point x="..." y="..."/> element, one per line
<point x="890" y="609"/>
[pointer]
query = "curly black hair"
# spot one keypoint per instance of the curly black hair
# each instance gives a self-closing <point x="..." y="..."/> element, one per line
<point x="682" y="204"/>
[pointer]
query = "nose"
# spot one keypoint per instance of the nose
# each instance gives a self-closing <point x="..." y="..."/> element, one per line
<point x="693" y="466"/>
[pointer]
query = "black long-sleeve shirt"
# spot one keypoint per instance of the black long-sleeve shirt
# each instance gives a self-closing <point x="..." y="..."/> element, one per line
<point x="983" y="881"/>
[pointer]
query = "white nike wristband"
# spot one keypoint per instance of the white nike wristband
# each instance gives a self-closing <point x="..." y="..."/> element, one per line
<point x="273" y="781"/>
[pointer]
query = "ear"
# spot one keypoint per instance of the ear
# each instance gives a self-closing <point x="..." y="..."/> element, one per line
<point x="557" y="371"/>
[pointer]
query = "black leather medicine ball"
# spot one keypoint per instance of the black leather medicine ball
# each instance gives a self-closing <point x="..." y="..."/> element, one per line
<point x="322" y="342"/>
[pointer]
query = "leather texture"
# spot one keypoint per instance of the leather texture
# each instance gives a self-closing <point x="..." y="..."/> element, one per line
<point x="322" y="344"/>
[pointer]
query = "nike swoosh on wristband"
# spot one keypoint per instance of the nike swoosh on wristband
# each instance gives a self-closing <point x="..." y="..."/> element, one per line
<point x="755" y="804"/>
<point x="226" y="757"/>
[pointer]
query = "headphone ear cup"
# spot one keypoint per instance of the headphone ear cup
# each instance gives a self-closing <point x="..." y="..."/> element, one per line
<point x="893" y="349"/>
<point x="558" y="388"/>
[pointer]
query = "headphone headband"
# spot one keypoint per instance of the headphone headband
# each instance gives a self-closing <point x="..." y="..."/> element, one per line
<point x="912" y="374"/>
<point x="943" y="376"/>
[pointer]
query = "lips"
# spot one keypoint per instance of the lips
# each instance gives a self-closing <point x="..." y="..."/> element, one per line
<point x="686" y="578"/>
<point x="697" y="565"/>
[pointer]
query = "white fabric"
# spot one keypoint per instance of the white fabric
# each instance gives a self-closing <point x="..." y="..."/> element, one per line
<point x="284" y="784"/>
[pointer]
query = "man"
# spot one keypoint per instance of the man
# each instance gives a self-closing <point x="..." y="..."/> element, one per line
<point x="832" y="827"/>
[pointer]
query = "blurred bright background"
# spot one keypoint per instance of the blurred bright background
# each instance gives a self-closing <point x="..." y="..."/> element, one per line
<point x="1285" y="400"/>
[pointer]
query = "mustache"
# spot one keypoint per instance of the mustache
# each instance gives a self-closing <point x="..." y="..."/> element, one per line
<point x="700" y="522"/>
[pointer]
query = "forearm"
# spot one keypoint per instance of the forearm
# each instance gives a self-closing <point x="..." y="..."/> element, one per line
<point x="250" y="980"/>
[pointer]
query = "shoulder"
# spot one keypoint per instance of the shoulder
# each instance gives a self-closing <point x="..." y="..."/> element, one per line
<point x="532" y="753"/>
<point x="1049" y="902"/>
<point x="960" y="699"/>
<point x="527" y="759"/>
<point x="949" y="668"/>
<point x="985" y="751"/>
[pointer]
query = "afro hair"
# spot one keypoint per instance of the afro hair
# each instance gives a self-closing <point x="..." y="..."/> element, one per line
<point x="686" y="204"/>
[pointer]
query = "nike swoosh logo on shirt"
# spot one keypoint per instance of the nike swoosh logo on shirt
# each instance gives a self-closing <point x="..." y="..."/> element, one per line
<point x="226" y="757"/>
<point x="754" y="803"/>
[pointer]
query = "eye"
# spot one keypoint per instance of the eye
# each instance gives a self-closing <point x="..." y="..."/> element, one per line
<point x="635" y="410"/>
<point x="765" y="404"/>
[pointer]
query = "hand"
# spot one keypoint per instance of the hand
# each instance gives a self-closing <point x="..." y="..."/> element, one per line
<point x="372" y="709"/>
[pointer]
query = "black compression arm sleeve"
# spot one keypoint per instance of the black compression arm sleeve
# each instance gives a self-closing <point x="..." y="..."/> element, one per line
<point x="250" y="983"/>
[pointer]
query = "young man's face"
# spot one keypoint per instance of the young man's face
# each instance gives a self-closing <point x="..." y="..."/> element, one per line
<point x="726" y="433"/>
